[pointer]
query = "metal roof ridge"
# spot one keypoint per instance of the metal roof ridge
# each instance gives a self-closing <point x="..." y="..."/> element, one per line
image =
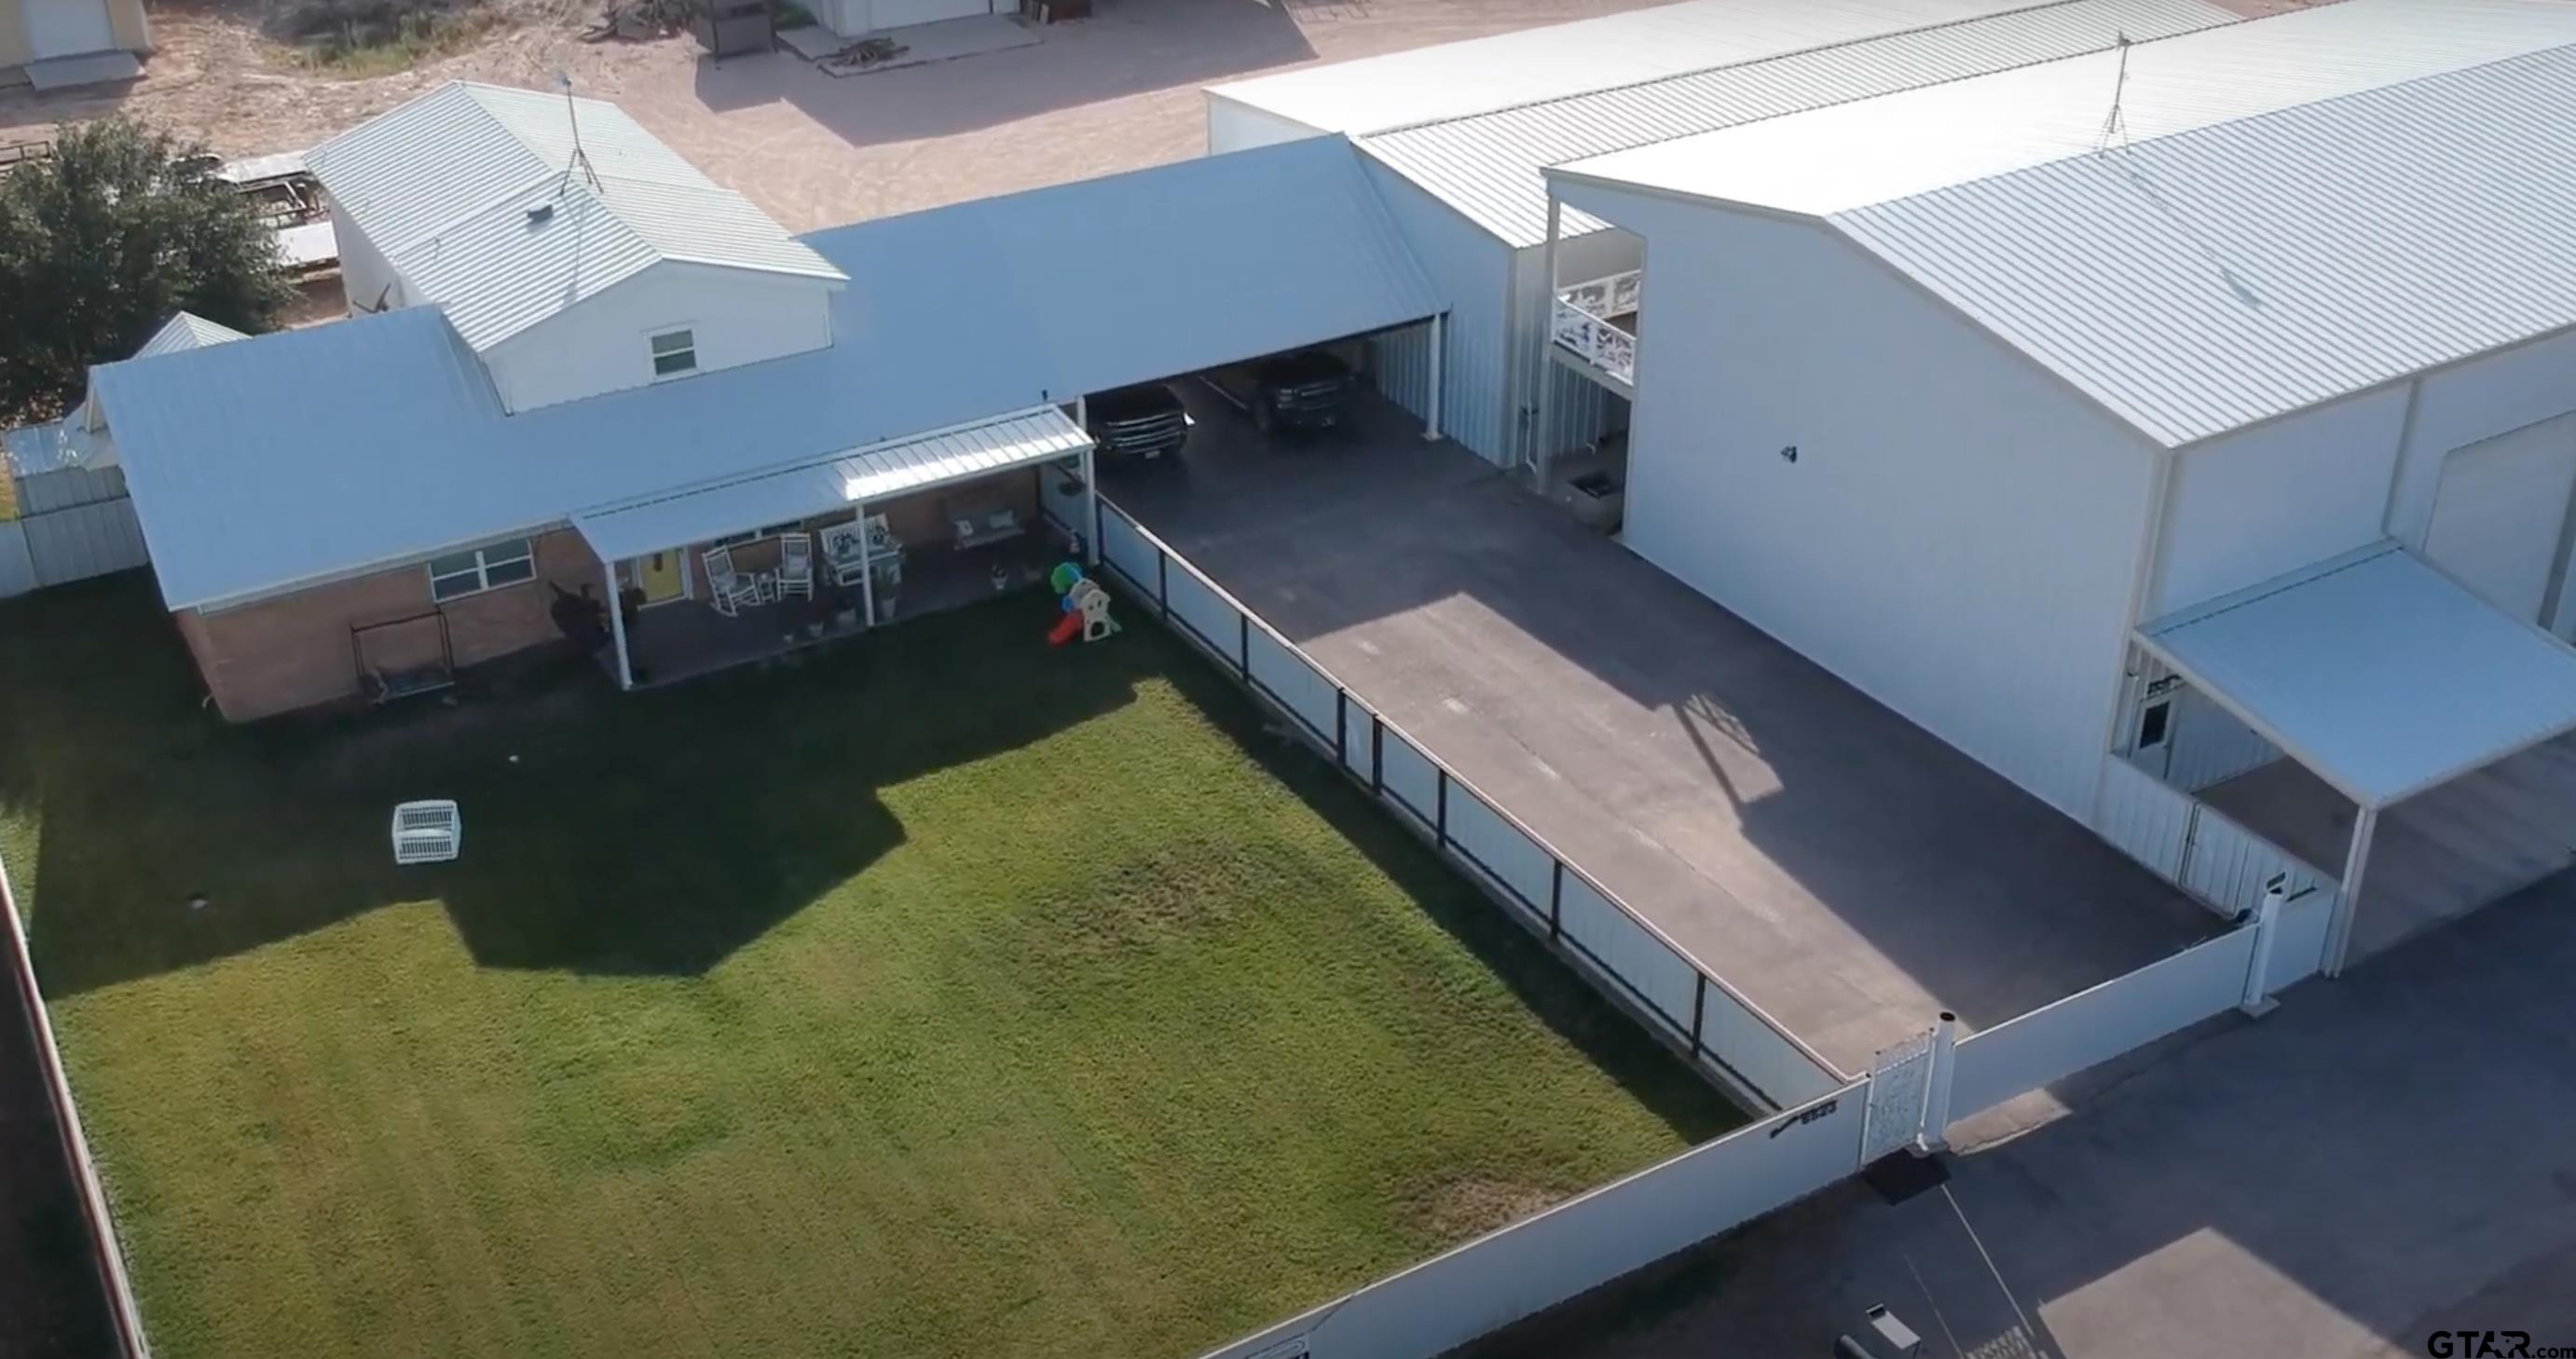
<point x="2105" y="151"/>
<point x="687" y="489"/>
<point x="1696" y="73"/>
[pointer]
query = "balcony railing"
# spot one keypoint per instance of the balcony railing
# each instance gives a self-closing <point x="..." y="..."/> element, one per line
<point x="1596" y="342"/>
<point x="1606" y="297"/>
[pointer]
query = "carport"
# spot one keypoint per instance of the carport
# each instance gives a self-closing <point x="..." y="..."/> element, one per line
<point x="2423" y="723"/>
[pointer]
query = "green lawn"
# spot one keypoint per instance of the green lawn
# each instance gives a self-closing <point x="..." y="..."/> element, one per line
<point x="946" y="995"/>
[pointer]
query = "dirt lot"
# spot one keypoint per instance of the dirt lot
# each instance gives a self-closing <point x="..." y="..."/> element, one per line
<point x="1114" y="92"/>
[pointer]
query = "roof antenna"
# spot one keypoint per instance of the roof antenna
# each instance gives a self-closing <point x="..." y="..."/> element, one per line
<point x="572" y="116"/>
<point x="2115" y="125"/>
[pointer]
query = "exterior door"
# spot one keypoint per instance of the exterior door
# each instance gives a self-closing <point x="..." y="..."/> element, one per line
<point x="68" y="28"/>
<point x="2500" y="512"/>
<point x="663" y="577"/>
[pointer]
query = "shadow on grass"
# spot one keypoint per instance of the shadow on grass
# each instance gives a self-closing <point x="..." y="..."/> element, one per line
<point x="1541" y="982"/>
<point x="639" y="834"/>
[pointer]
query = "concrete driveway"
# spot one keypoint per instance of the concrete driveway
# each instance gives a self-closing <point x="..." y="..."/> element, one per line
<point x="1845" y="869"/>
<point x="2385" y="1155"/>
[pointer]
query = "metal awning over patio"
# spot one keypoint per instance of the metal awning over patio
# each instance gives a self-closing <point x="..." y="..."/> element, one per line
<point x="2376" y="671"/>
<point x="878" y="472"/>
<point x="2379" y="674"/>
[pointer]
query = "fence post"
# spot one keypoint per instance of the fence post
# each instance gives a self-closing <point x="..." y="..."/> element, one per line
<point x="1243" y="642"/>
<point x="1440" y="805"/>
<point x="1936" y="1089"/>
<point x="1555" y="898"/>
<point x="1163" y="583"/>
<point x="1699" y="1007"/>
<point x="2190" y="845"/>
<point x="1377" y="754"/>
<point x="1342" y="727"/>
<point x="2257" y="1001"/>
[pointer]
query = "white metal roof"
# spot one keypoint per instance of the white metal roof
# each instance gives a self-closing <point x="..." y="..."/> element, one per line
<point x="399" y="446"/>
<point x="1488" y="165"/>
<point x="67" y="443"/>
<point x="2376" y="671"/>
<point x="2299" y="208"/>
<point x="902" y="466"/>
<point x="444" y="187"/>
<point x="1453" y="80"/>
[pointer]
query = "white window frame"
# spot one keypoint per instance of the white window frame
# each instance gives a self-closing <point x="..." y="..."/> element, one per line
<point x="653" y="354"/>
<point x="504" y="554"/>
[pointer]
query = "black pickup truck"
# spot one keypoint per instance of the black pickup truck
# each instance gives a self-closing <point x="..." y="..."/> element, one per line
<point x="1137" y="422"/>
<point x="1307" y="390"/>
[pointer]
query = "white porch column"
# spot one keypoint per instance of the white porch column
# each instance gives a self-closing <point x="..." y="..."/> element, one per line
<point x="1439" y="342"/>
<point x="1082" y="411"/>
<point x="1542" y="444"/>
<point x="617" y="627"/>
<point x="2339" y="932"/>
<point x="1936" y="1094"/>
<point x="1091" y="494"/>
<point x="867" y="570"/>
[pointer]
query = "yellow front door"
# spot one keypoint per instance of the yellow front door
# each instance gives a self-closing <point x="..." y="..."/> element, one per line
<point x="661" y="577"/>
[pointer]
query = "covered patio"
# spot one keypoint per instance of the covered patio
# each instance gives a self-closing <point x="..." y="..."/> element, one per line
<point x="720" y="575"/>
<point x="2427" y="734"/>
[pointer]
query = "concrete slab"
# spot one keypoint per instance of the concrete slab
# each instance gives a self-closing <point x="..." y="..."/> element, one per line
<point x="2383" y="1156"/>
<point x="89" y="68"/>
<point x="1849" y="872"/>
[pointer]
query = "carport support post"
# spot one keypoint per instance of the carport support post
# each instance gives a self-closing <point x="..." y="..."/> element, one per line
<point x="2257" y="1001"/>
<point x="2365" y="824"/>
<point x="617" y="627"/>
<point x="867" y="570"/>
<point x="1439" y="341"/>
<point x="1936" y="1087"/>
<point x="1542" y="448"/>
<point x="1091" y="492"/>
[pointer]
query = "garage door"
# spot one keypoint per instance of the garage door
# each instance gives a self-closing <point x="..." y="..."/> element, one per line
<point x="2498" y="515"/>
<point x="68" y="28"/>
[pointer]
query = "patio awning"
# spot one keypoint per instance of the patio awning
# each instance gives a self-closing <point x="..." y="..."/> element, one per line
<point x="2379" y="673"/>
<point x="877" y="472"/>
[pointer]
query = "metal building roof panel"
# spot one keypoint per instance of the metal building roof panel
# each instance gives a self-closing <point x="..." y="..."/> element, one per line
<point x="187" y="330"/>
<point x="1488" y="165"/>
<point x="2333" y="664"/>
<point x="1855" y="155"/>
<point x="1453" y="80"/>
<point x="401" y="447"/>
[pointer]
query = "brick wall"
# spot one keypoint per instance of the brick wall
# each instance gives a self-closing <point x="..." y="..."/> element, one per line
<point x="292" y="652"/>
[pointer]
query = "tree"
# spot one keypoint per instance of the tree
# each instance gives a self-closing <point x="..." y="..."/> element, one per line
<point x="100" y="244"/>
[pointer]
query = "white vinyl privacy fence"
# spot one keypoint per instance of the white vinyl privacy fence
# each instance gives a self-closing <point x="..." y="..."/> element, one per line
<point x="2193" y="845"/>
<point x="1686" y="1003"/>
<point x="65" y="525"/>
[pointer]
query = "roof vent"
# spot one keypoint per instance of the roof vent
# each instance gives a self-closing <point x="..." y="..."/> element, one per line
<point x="541" y="214"/>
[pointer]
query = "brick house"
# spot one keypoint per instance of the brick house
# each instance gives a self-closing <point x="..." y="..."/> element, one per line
<point x="587" y="397"/>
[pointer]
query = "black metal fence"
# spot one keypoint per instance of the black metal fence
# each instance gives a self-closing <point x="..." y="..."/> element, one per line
<point x="1608" y="941"/>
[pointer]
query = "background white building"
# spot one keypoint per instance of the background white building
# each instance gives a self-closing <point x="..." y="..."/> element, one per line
<point x="1457" y="136"/>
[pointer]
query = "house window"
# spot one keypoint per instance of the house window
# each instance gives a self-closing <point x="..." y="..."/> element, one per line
<point x="2153" y="723"/>
<point x="484" y="568"/>
<point x="675" y="352"/>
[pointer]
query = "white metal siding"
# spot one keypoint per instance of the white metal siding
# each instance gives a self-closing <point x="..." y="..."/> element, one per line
<point x="1233" y="126"/>
<point x="68" y="28"/>
<point x="1958" y="535"/>
<point x="2497" y="516"/>
<point x="17" y="570"/>
<point x="84" y="541"/>
<point x="603" y="345"/>
<point x="2248" y="507"/>
<point x="1473" y="272"/>
<point x="369" y="282"/>
<point x="2492" y="395"/>
<point x="2211" y="745"/>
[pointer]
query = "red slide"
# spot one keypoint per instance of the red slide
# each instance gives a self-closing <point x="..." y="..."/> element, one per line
<point x="1066" y="629"/>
